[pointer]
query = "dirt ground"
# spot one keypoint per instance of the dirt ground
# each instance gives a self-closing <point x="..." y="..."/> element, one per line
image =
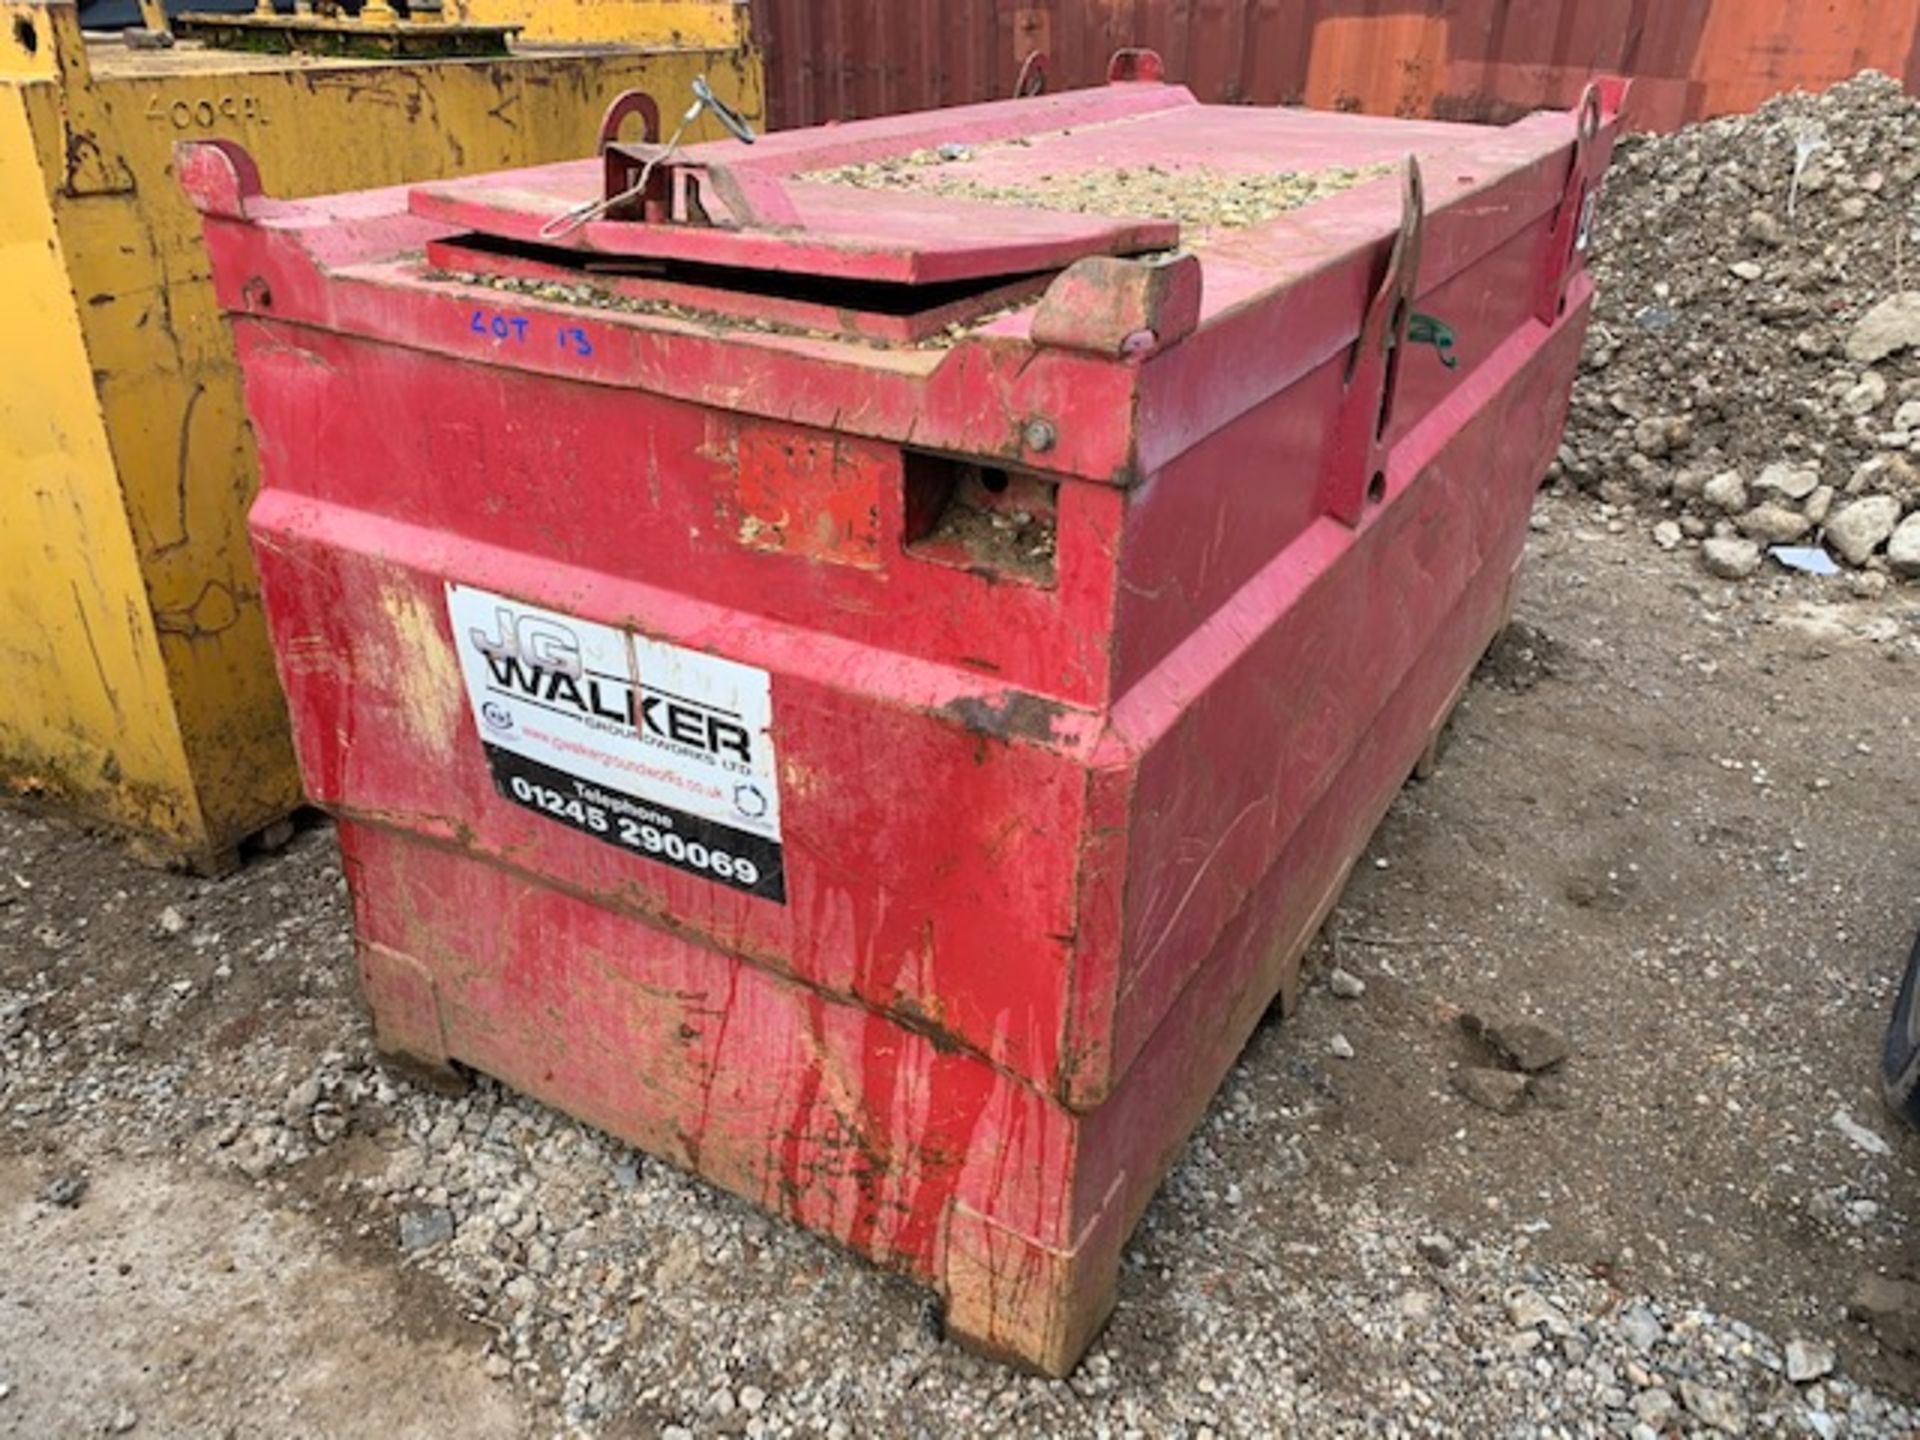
<point x="1675" y="821"/>
<point x="191" y="1301"/>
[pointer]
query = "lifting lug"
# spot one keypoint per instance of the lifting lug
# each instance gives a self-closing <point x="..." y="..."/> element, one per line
<point x="1599" y="107"/>
<point x="1033" y="76"/>
<point x="1356" y="459"/>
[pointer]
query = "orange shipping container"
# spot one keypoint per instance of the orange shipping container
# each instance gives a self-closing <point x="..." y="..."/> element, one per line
<point x="1456" y="59"/>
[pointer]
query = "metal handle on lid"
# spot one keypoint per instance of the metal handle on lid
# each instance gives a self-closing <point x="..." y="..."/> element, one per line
<point x="626" y="103"/>
<point x="638" y="102"/>
<point x="734" y="121"/>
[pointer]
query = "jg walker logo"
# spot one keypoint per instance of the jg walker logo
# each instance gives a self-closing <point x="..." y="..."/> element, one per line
<point x="539" y="659"/>
<point x="663" y="751"/>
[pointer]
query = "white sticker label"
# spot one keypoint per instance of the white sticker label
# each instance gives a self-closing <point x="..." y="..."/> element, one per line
<point x="660" y="750"/>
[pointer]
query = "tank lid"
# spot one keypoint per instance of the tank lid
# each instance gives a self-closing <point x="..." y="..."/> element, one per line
<point x="796" y="202"/>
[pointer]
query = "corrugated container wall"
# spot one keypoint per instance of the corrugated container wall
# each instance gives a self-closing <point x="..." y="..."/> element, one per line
<point x="1452" y="59"/>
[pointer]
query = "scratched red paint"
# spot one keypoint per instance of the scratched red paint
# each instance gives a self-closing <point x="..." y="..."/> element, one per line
<point x="815" y="495"/>
<point x="1055" y="824"/>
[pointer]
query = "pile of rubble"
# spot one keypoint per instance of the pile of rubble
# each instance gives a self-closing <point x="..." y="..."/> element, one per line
<point x="1752" y="375"/>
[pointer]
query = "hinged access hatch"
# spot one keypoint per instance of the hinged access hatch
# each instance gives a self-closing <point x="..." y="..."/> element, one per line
<point x="758" y="208"/>
<point x="766" y="232"/>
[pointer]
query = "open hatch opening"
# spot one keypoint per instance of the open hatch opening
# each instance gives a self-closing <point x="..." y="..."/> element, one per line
<point x="982" y="518"/>
<point x="841" y="305"/>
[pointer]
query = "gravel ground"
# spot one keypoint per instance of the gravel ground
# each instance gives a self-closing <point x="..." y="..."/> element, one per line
<point x="1672" y="828"/>
<point x="1576" y="1133"/>
<point x="1202" y="200"/>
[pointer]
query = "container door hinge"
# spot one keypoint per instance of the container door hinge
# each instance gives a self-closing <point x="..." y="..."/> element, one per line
<point x="1357" y="455"/>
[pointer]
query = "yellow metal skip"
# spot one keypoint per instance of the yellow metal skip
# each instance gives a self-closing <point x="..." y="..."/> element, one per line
<point x="141" y="691"/>
<point x="690" y="24"/>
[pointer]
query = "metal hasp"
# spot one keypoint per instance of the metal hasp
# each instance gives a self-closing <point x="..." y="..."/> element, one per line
<point x="141" y="692"/>
<point x="863" y="675"/>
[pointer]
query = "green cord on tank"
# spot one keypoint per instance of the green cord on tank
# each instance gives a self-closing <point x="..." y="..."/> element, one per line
<point x="1429" y="330"/>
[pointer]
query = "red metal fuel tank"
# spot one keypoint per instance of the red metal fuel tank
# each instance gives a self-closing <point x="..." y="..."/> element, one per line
<point x="858" y="662"/>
